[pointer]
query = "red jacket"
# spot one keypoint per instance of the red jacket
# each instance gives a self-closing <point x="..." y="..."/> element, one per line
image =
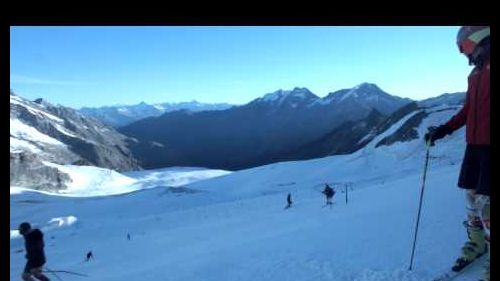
<point x="475" y="113"/>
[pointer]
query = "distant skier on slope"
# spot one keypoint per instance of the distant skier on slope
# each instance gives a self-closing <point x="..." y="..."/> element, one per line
<point x="289" y="201"/>
<point x="34" y="252"/>
<point x="474" y="42"/>
<point x="328" y="192"/>
<point x="90" y="255"/>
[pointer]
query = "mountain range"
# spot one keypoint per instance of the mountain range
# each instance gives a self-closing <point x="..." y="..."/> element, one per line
<point x="279" y="126"/>
<point x="121" y="115"/>
<point x="259" y="132"/>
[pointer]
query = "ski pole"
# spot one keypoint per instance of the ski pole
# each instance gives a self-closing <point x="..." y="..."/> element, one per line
<point x="420" y="203"/>
<point x="51" y="271"/>
<point x="68" y="272"/>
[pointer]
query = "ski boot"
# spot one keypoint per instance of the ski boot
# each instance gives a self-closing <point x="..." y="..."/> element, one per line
<point x="473" y="249"/>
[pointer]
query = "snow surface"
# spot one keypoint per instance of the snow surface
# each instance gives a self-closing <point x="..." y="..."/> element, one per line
<point x="368" y="136"/>
<point x="271" y="97"/>
<point x="88" y="181"/>
<point x="17" y="145"/>
<point x="321" y="102"/>
<point x="174" y="177"/>
<point x="234" y="227"/>
<point x="65" y="131"/>
<point x="22" y="131"/>
<point x="159" y="107"/>
<point x="19" y="101"/>
<point x="94" y="181"/>
<point x="51" y="224"/>
<point x="391" y="130"/>
<point x="353" y="92"/>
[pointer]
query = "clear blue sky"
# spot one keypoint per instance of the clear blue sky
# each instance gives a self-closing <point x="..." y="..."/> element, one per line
<point x="96" y="66"/>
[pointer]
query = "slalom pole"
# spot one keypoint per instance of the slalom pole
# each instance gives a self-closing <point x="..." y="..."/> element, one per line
<point x="346" y="188"/>
<point x="420" y="203"/>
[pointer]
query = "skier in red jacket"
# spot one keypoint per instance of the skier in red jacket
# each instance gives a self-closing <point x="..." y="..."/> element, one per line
<point x="474" y="42"/>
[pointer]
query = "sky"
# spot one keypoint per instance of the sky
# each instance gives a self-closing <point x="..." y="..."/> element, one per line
<point x="95" y="66"/>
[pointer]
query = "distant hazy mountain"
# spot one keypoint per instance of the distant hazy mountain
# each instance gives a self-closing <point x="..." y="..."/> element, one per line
<point x="444" y="99"/>
<point x="121" y="115"/>
<point x="256" y="133"/>
<point x="41" y="132"/>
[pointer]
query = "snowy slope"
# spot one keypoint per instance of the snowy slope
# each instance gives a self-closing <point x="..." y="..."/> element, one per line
<point x="234" y="227"/>
<point x="89" y="181"/>
<point x="62" y="135"/>
<point x="22" y="132"/>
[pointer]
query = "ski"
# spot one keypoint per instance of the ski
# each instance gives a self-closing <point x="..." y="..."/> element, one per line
<point x="450" y="275"/>
<point x="327" y="204"/>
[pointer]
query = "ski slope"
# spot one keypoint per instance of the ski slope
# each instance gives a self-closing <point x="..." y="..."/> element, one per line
<point x="234" y="227"/>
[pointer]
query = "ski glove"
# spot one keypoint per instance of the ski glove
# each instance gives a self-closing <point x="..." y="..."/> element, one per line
<point x="434" y="133"/>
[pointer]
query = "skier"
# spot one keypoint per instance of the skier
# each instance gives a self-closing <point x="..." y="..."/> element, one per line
<point x="289" y="201"/>
<point x="33" y="242"/>
<point x="474" y="42"/>
<point x="89" y="256"/>
<point x="328" y="192"/>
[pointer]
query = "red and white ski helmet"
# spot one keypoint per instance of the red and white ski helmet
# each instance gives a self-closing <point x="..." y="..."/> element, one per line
<point x="469" y="37"/>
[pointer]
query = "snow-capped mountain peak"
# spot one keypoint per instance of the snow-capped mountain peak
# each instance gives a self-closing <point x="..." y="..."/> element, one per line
<point x="293" y="98"/>
<point x="367" y="95"/>
<point x="303" y="93"/>
<point x="363" y="90"/>
<point x="271" y="97"/>
<point x="367" y="86"/>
